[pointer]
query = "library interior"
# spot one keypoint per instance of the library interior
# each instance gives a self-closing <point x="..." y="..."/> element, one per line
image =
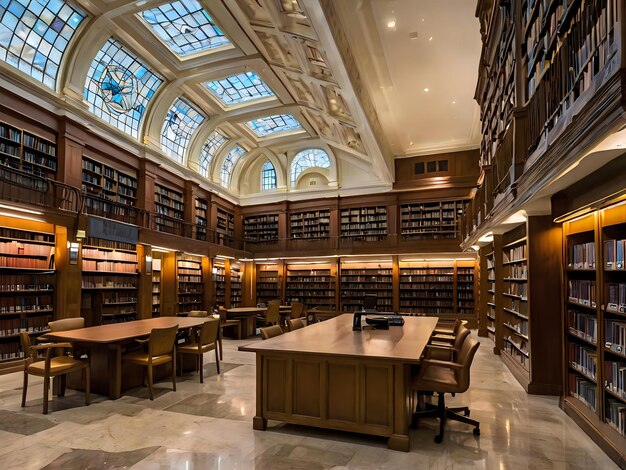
<point x="312" y="234"/>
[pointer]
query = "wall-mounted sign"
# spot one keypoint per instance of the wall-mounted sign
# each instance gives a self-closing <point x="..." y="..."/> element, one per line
<point x="111" y="230"/>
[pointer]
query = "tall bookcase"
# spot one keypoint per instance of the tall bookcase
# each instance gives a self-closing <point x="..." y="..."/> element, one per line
<point x="261" y="229"/>
<point x="311" y="225"/>
<point x="29" y="152"/>
<point x="595" y="326"/>
<point x="361" y="278"/>
<point x="427" y="288"/>
<point x="109" y="281"/>
<point x="157" y="264"/>
<point x="27" y="280"/>
<point x="364" y="224"/>
<point x="169" y="203"/>
<point x="490" y="295"/>
<point x="225" y="228"/>
<point x="267" y="283"/>
<point x="202" y="220"/>
<point x="312" y="284"/>
<point x="434" y="220"/>
<point x="219" y="279"/>
<point x="235" y="286"/>
<point x="190" y="284"/>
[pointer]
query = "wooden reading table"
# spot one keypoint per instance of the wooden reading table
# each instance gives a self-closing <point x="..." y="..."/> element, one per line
<point x="105" y="344"/>
<point x="328" y="376"/>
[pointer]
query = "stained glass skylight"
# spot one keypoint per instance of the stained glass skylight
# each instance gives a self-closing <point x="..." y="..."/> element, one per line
<point x="268" y="176"/>
<point x="271" y="125"/>
<point x="309" y="158"/>
<point x="181" y="121"/>
<point x="229" y="164"/>
<point x="119" y="87"/>
<point x="185" y="27"/>
<point x="210" y="148"/>
<point x="34" y="35"/>
<point x="239" y="88"/>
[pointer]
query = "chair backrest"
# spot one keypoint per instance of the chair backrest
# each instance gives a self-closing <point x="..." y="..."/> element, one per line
<point x="370" y="301"/>
<point x="162" y="341"/>
<point x="297" y="309"/>
<point x="223" y="314"/>
<point x="459" y="339"/>
<point x="465" y="358"/>
<point x="26" y="343"/>
<point x="198" y="313"/>
<point x="67" y="324"/>
<point x="295" y="324"/>
<point x="274" y="301"/>
<point x="271" y="331"/>
<point x="272" y="314"/>
<point x="208" y="332"/>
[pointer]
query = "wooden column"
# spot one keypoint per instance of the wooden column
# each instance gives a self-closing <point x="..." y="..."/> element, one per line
<point x="395" y="283"/>
<point x="189" y="197"/>
<point x="208" y="293"/>
<point x="227" y="290"/>
<point x="70" y="144"/>
<point x="499" y="286"/>
<point x="67" y="297"/>
<point x="169" y="285"/>
<point x="144" y="287"/>
<point x="145" y="185"/>
<point x="482" y="287"/>
<point x="248" y="284"/>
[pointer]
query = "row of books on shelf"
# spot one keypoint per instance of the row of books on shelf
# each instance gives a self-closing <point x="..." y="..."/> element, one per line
<point x="516" y="271"/>
<point x="521" y="326"/>
<point x="190" y="289"/>
<point x="9" y="261"/>
<point x="193" y="278"/>
<point x="616" y="415"/>
<point x="25" y="304"/>
<point x="109" y="266"/>
<point x="14" y="326"/>
<point x="107" y="282"/>
<point x="518" y="289"/>
<point x="118" y="299"/>
<point x="13" y="285"/>
<point x="9" y="149"/>
<point x="617" y="297"/>
<point x="39" y="144"/>
<point x="584" y="325"/>
<point x="517" y="253"/>
<point x="95" y="253"/>
<point x="41" y="160"/>
<point x="426" y="286"/>
<point x="425" y="271"/>
<point x="25" y="249"/>
<point x="583" y="359"/>
<point x="363" y="211"/>
<point x="615" y="377"/>
<point x="10" y="133"/>
<point x="583" y="389"/>
<point x="517" y="350"/>
<point x="582" y="292"/>
<point x="168" y="193"/>
<point x="189" y="265"/>
<point x="582" y="256"/>
<point x="615" y="336"/>
<point x="425" y="309"/>
<point x="614" y="254"/>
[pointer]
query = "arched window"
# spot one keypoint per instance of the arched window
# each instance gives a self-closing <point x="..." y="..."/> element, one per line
<point x="210" y="148"/>
<point x="180" y="123"/>
<point x="119" y="87"/>
<point x="268" y="176"/>
<point x="241" y="88"/>
<point x="229" y="164"/>
<point x="34" y="35"/>
<point x="309" y="158"/>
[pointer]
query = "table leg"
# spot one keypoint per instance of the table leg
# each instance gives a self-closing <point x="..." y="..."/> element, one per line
<point x="259" y="423"/>
<point x="399" y="440"/>
<point x="115" y="371"/>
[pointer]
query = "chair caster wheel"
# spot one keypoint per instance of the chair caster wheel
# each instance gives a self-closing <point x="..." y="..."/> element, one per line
<point x="438" y="439"/>
<point x="476" y="431"/>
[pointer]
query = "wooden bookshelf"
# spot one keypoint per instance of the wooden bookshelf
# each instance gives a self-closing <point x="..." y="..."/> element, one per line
<point x="109" y="281"/>
<point x="267" y="283"/>
<point x="261" y="229"/>
<point x="432" y="220"/>
<point x="490" y="295"/>
<point x="364" y="224"/>
<point x="190" y="284"/>
<point x="170" y="206"/>
<point x="27" y="282"/>
<point x="361" y="278"/>
<point x="235" y="286"/>
<point x="312" y="284"/>
<point x="219" y="278"/>
<point x="225" y="228"/>
<point x="109" y="193"/>
<point x="202" y="220"/>
<point x="427" y="288"/>
<point x="157" y="264"/>
<point x="28" y="152"/>
<point x="310" y="225"/>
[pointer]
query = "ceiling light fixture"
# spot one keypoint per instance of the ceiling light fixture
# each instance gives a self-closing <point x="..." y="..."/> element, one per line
<point x="391" y="24"/>
<point x="426" y="90"/>
<point x="430" y="38"/>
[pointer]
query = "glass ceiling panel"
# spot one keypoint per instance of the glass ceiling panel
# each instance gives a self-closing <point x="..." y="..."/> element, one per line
<point x="210" y="148"/>
<point x="180" y="123"/>
<point x="229" y="164"/>
<point x="239" y="88"/>
<point x="185" y="27"/>
<point x="271" y="125"/>
<point x="34" y="35"/>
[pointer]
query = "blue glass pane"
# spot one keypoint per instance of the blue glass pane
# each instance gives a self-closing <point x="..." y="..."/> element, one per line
<point x="210" y="148"/>
<point x="185" y="27"/>
<point x="180" y="123"/>
<point x="29" y="29"/>
<point x="239" y="88"/>
<point x="119" y="87"/>
<point x="268" y="176"/>
<point x="229" y="164"/>
<point x="309" y="158"/>
<point x="270" y="125"/>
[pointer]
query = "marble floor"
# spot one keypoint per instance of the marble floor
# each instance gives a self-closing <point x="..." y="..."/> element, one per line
<point x="209" y="426"/>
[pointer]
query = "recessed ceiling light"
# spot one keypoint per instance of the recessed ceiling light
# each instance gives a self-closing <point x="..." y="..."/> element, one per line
<point x="454" y="102"/>
<point x="391" y="24"/>
<point x="426" y="90"/>
<point x="410" y="143"/>
<point x="430" y="38"/>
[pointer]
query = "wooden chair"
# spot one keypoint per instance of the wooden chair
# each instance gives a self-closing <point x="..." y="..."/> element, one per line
<point x="226" y="323"/>
<point x="445" y="351"/>
<point x="443" y="333"/>
<point x="50" y="366"/>
<point x="204" y="339"/>
<point x="272" y="314"/>
<point x="67" y="324"/>
<point x="295" y="324"/>
<point x="446" y="377"/>
<point x="161" y="350"/>
<point x="370" y="301"/>
<point x="297" y="310"/>
<point x="198" y="313"/>
<point x="271" y="331"/>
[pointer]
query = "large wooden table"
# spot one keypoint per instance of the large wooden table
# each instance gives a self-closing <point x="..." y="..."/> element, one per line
<point x="247" y="316"/>
<point x="328" y="376"/>
<point x="106" y="343"/>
